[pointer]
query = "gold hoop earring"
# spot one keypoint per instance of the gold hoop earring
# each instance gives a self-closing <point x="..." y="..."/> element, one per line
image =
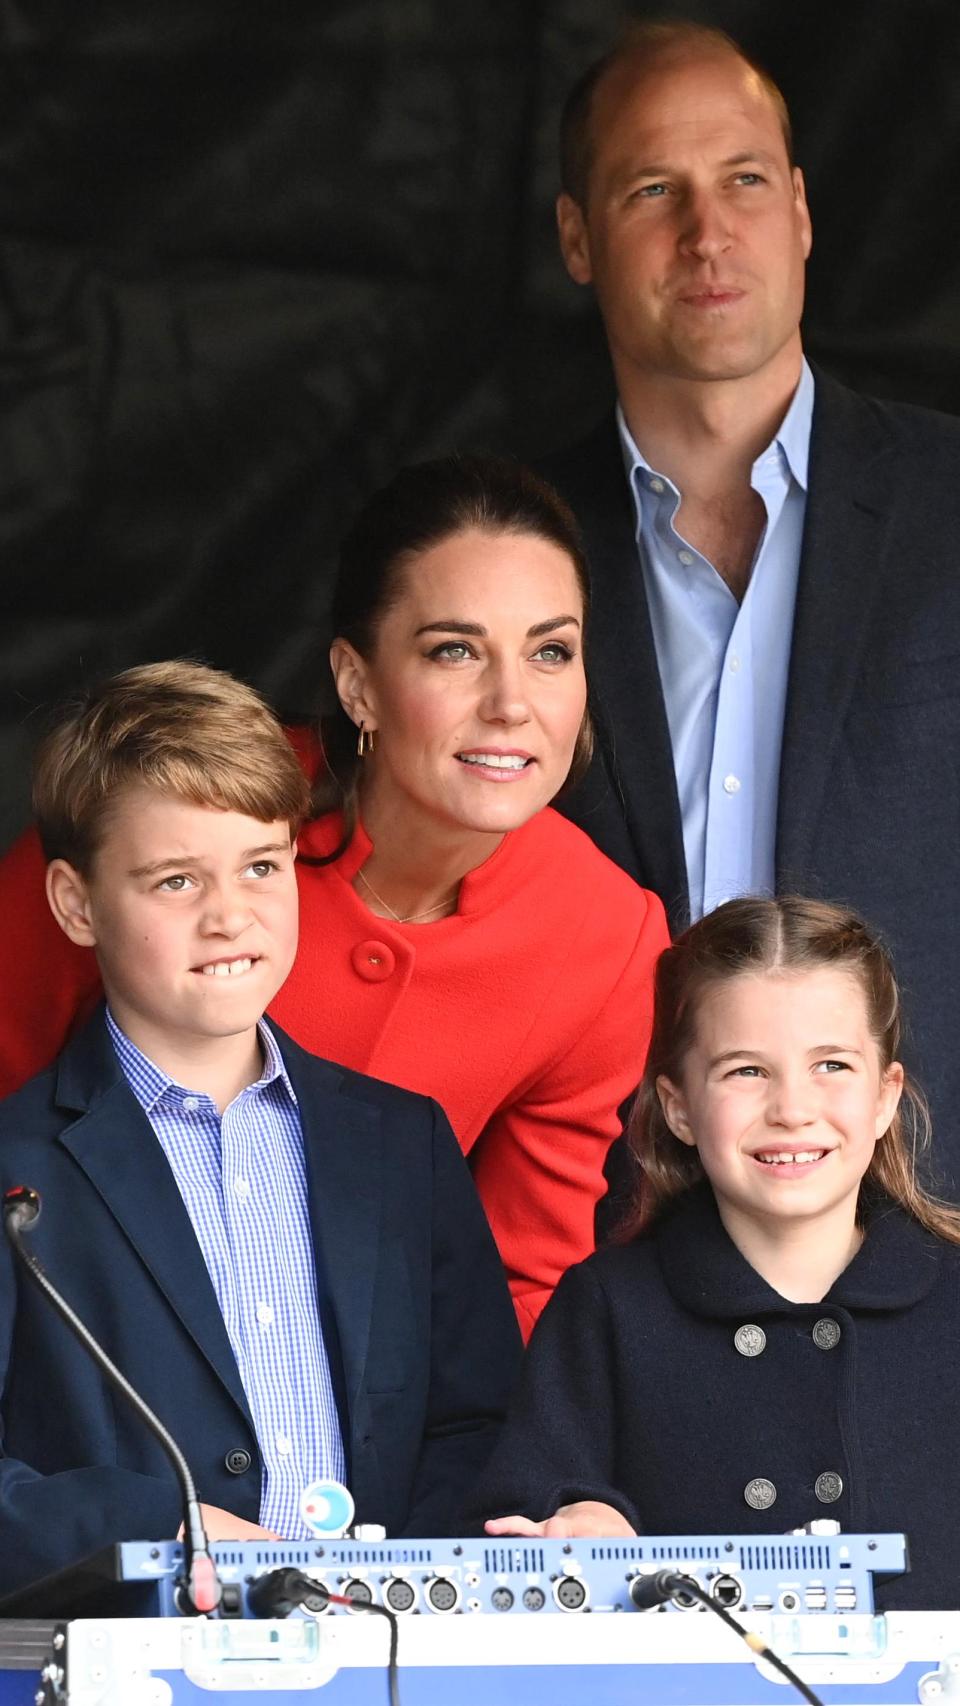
<point x="364" y="741"/>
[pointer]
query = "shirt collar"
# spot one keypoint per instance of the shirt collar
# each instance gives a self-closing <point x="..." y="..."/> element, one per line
<point x="149" y="1082"/>
<point x="792" y="437"/>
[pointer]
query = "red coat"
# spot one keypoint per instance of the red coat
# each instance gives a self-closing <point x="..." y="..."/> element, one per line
<point x="526" y="1014"/>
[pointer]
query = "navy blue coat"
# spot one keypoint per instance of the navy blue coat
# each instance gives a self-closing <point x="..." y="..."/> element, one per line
<point x="634" y="1392"/>
<point x="869" y="800"/>
<point x="421" y="1333"/>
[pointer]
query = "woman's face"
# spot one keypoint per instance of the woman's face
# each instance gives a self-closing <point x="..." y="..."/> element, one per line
<point x="476" y="690"/>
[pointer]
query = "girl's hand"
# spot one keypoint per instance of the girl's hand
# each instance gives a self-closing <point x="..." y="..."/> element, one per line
<point x="588" y="1519"/>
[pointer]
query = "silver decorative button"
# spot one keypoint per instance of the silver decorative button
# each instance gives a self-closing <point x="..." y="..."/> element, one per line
<point x="760" y="1493"/>
<point x="826" y="1334"/>
<point x="828" y="1487"/>
<point x="750" y="1340"/>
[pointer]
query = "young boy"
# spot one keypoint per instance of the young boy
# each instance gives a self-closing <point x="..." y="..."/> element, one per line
<point x="287" y="1259"/>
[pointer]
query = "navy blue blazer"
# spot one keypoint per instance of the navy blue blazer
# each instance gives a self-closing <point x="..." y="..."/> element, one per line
<point x="422" y="1336"/>
<point x="869" y="799"/>
<point x="635" y="1391"/>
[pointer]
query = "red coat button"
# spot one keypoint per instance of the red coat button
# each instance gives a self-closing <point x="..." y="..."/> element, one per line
<point x="373" y="961"/>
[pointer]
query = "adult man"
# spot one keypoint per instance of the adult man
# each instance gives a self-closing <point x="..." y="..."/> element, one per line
<point x="776" y="619"/>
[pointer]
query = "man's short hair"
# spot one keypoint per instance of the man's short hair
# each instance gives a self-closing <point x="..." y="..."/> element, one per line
<point x="645" y="43"/>
<point x="188" y="731"/>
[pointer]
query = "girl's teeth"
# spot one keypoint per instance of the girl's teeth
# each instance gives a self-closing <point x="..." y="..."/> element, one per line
<point x="801" y="1155"/>
<point x="227" y="968"/>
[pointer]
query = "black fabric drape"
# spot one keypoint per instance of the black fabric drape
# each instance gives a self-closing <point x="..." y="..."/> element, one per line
<point x="251" y="259"/>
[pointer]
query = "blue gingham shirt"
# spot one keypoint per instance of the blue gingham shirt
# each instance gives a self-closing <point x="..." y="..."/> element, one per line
<point x="724" y="665"/>
<point x="242" y="1177"/>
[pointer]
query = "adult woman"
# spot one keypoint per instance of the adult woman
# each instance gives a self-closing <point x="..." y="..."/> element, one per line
<point x="456" y="938"/>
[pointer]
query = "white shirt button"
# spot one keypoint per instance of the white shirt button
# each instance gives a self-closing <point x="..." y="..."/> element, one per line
<point x="241" y="1188"/>
<point x="265" y="1314"/>
<point x="283" y="1445"/>
<point x="731" y="784"/>
<point x="190" y="1104"/>
<point x="686" y="558"/>
<point x="656" y="486"/>
<point x="734" y="664"/>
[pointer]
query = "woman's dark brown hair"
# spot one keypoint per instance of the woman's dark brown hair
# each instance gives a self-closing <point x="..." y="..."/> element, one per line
<point x="422" y="506"/>
<point x="787" y="936"/>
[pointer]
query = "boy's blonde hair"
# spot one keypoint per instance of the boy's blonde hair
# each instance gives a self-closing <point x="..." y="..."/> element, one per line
<point x="180" y="727"/>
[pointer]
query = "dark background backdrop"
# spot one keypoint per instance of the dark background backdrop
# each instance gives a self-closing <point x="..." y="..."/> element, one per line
<point x="252" y="257"/>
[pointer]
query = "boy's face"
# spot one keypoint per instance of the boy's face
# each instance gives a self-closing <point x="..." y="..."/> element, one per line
<point x="193" y="915"/>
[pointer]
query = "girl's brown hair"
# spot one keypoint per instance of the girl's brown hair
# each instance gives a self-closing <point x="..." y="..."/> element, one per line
<point x="786" y="935"/>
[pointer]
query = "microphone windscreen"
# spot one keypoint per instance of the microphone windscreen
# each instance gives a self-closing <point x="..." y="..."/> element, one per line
<point x="21" y="1202"/>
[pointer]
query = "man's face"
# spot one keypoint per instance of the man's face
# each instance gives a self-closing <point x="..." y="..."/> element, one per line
<point x="695" y="230"/>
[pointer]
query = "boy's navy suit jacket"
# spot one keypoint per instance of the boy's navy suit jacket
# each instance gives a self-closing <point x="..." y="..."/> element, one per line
<point x="418" y="1323"/>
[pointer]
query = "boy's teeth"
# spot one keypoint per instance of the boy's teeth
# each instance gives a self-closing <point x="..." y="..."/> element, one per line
<point x="226" y="968"/>
<point x="494" y="760"/>
<point x="775" y="1157"/>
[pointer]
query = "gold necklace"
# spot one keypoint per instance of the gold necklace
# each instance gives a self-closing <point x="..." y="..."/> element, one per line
<point x="399" y="917"/>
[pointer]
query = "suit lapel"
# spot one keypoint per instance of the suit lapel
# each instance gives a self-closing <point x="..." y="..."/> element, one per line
<point x="343" y="1147"/>
<point x="112" y="1141"/>
<point x="114" y="1144"/>
<point x="624" y="676"/>
<point x="841" y="571"/>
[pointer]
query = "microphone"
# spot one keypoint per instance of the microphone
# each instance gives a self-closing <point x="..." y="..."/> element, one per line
<point x="201" y="1587"/>
<point x="21" y="1206"/>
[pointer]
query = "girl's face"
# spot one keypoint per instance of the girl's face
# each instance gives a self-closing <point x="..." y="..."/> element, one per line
<point x="475" y="691"/>
<point x="783" y="1095"/>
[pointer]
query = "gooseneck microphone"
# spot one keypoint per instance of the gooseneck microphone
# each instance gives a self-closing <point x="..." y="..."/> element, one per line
<point x="201" y="1586"/>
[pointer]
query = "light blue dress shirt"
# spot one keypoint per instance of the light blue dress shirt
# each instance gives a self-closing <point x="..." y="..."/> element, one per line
<point x="724" y="665"/>
<point x="242" y="1177"/>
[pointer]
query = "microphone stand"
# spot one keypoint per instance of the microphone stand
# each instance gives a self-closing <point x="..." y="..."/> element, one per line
<point x="201" y="1587"/>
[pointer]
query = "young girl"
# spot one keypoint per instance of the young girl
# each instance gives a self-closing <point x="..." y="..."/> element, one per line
<point x="777" y="1338"/>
